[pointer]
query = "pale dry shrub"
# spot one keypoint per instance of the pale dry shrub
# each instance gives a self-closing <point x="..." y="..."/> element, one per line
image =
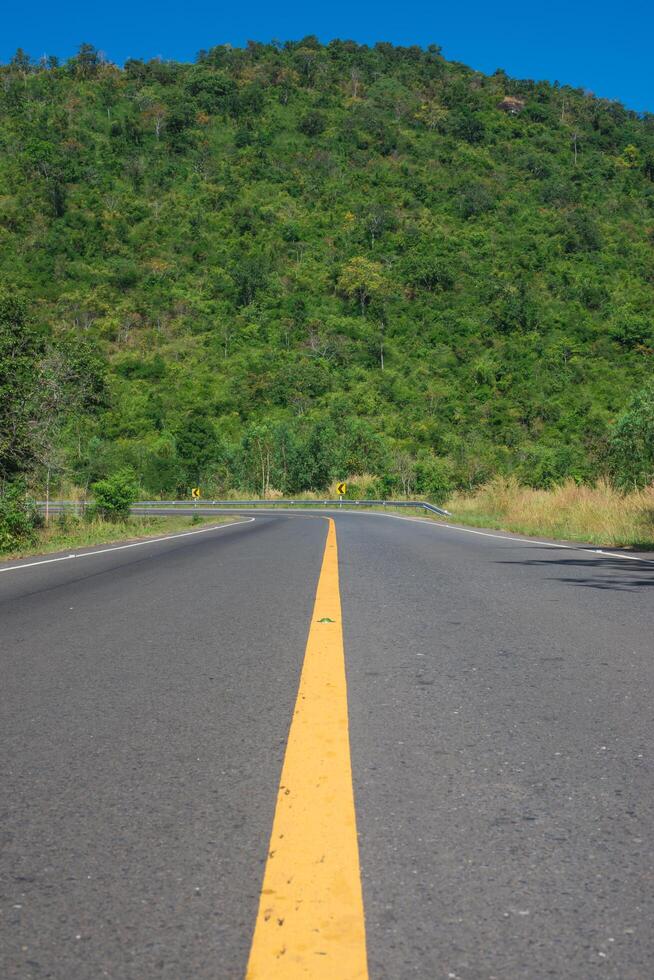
<point x="362" y="480"/>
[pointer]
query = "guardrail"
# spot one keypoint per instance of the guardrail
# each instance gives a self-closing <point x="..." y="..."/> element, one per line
<point x="78" y="505"/>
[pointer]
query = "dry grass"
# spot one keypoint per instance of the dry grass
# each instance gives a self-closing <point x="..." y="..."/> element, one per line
<point x="597" y="515"/>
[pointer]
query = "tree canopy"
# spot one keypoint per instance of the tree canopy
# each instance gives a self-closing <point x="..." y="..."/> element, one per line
<point x="294" y="260"/>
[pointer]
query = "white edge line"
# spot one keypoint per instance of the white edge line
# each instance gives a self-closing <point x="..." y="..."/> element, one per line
<point x="507" y="537"/>
<point x="122" y="547"/>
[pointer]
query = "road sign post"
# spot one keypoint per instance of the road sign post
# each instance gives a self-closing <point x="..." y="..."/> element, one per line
<point x="342" y="490"/>
<point x="196" y="493"/>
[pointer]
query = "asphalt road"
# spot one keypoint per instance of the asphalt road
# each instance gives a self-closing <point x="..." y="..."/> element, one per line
<point x="500" y="694"/>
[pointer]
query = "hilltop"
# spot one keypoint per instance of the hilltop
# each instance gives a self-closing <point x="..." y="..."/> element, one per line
<point x="290" y="262"/>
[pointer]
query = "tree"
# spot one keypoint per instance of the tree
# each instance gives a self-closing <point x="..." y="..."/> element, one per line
<point x="197" y="447"/>
<point x="21" y="61"/>
<point x="404" y="468"/>
<point x="155" y="115"/>
<point x="259" y="452"/>
<point x="426" y="269"/>
<point x="582" y="232"/>
<point x="377" y="221"/>
<point x="250" y="274"/>
<point x="466" y="125"/>
<point x="213" y="89"/>
<point x="45" y="386"/>
<point x="363" y="280"/>
<point x="431" y="114"/>
<point x="70" y="381"/>
<point x="631" y="157"/>
<point x="312" y="124"/>
<point x="317" y="461"/>
<point x="86" y="62"/>
<point x="21" y="347"/>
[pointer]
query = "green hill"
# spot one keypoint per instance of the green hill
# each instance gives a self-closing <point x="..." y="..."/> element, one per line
<point x="287" y="263"/>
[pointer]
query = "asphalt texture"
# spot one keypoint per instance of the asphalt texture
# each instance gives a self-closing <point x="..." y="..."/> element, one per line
<point x="501" y="697"/>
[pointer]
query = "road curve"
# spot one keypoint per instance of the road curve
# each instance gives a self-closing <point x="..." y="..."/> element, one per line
<point x="500" y="697"/>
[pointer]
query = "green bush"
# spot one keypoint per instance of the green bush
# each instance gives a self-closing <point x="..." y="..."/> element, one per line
<point x="356" y="491"/>
<point x="434" y="478"/>
<point x="19" y="516"/>
<point x="115" y="495"/>
<point x="631" y="448"/>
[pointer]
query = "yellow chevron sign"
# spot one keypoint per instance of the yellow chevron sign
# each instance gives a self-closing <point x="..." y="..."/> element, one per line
<point x="196" y="493"/>
<point x="342" y="488"/>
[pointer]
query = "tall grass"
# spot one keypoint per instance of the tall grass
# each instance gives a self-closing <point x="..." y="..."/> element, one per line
<point x="597" y="514"/>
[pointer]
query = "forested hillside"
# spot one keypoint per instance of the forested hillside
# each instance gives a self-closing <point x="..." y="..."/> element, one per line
<point x="287" y="263"/>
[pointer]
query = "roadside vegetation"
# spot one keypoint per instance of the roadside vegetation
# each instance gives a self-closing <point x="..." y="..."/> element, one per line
<point x="25" y="529"/>
<point x="67" y="531"/>
<point x="598" y="515"/>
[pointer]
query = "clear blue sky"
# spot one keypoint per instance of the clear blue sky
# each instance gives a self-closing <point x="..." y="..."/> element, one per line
<point x="605" y="47"/>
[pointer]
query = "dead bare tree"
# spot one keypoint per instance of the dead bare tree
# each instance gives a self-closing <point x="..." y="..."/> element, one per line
<point x="404" y="465"/>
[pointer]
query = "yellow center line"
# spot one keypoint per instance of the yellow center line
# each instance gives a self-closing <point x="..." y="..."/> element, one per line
<point x="310" y="921"/>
